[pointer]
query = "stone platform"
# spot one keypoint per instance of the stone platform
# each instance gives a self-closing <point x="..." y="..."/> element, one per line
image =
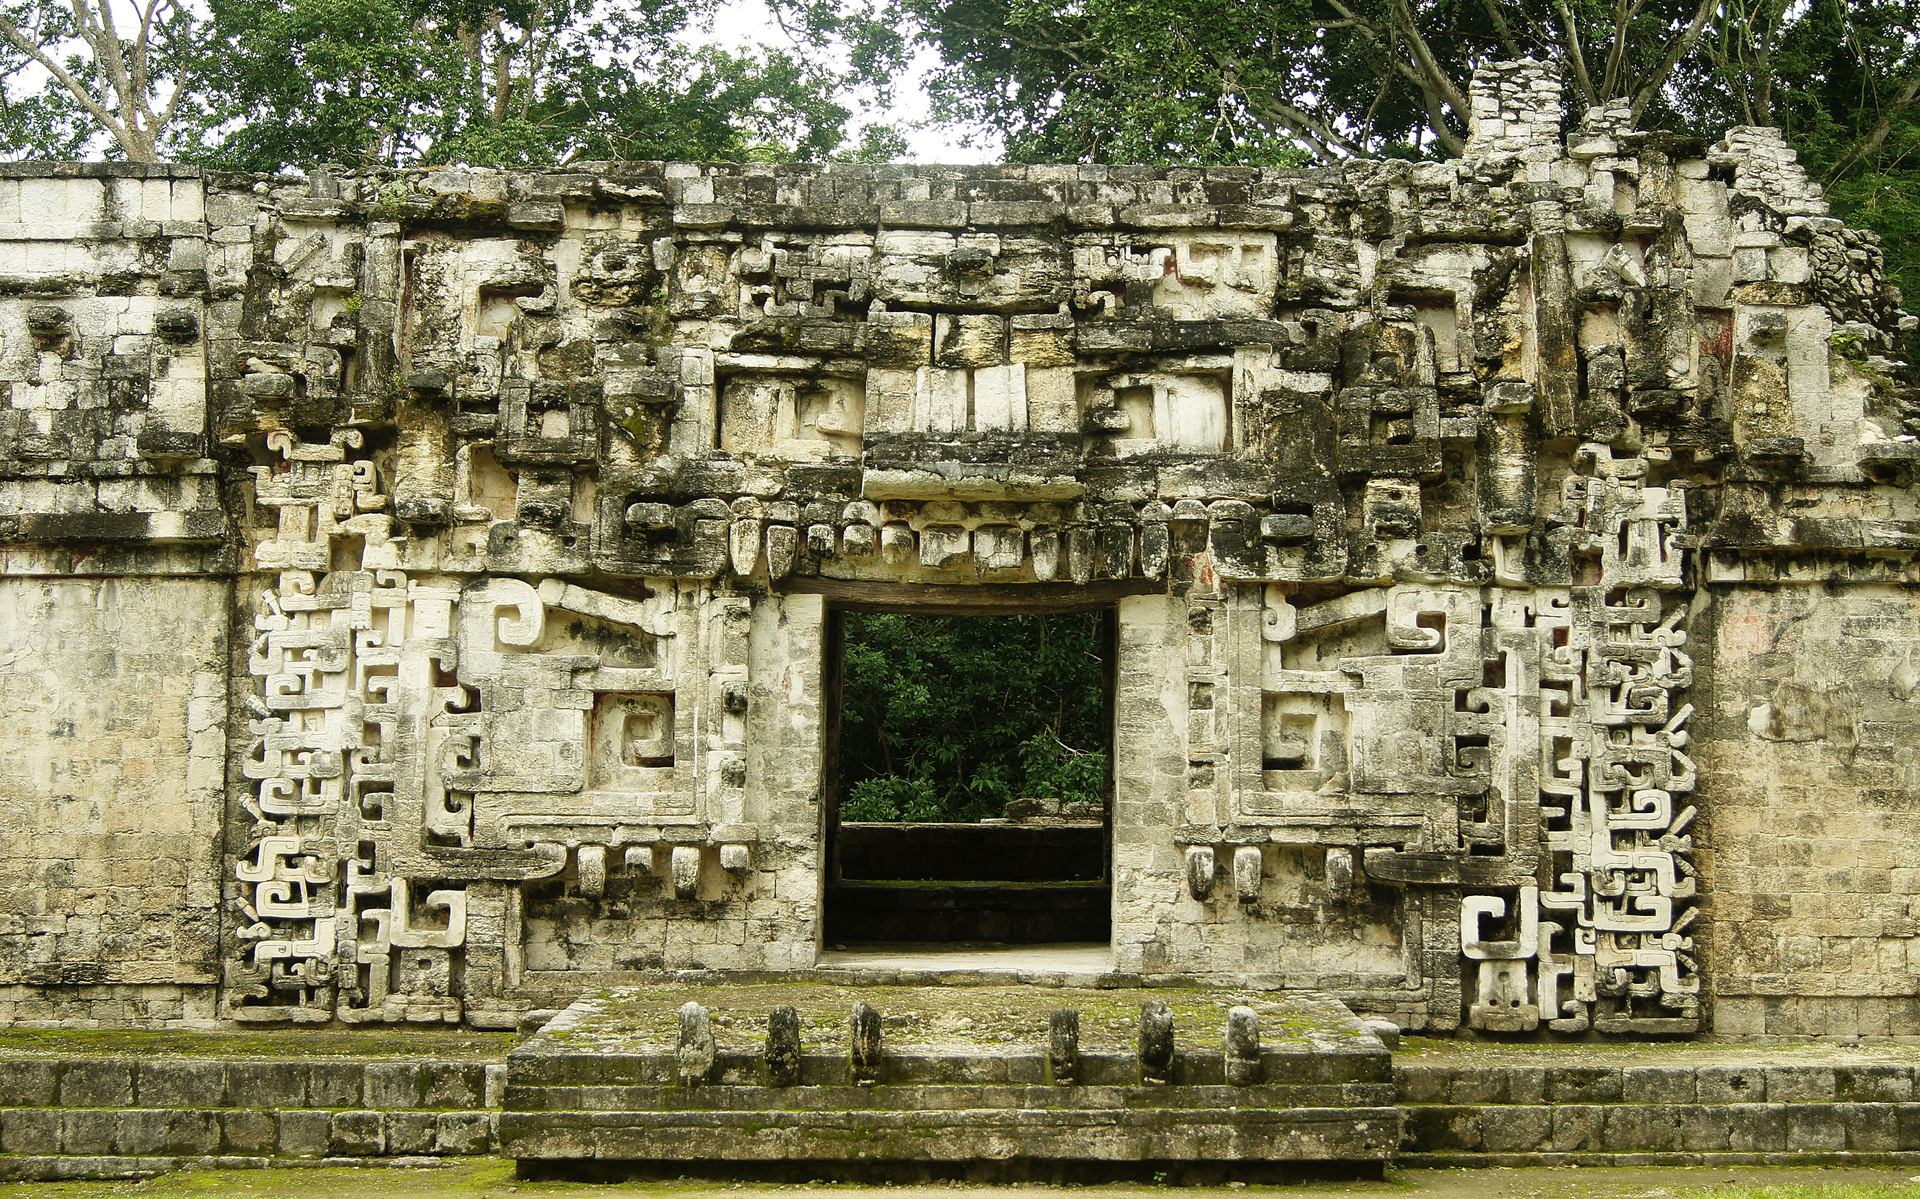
<point x="977" y="1080"/>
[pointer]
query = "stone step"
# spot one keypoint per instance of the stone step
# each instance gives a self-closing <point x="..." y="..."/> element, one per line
<point x="1696" y="1128"/>
<point x="201" y="1132"/>
<point x="643" y="1079"/>
<point x="1705" y="1082"/>
<point x="185" y="1082"/>
<point x="1352" y="1135"/>
<point x="936" y="1097"/>
<point x="65" y="1167"/>
<point x="957" y="1069"/>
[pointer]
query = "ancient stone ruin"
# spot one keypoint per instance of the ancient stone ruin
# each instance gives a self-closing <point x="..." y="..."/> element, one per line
<point x="422" y="590"/>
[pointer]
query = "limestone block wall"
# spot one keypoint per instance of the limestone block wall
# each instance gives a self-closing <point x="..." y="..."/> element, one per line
<point x="112" y="793"/>
<point x="1504" y="554"/>
<point x="1809" y="750"/>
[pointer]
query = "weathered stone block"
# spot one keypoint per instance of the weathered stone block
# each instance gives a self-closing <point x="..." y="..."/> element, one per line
<point x="1657" y="1084"/>
<point x="304" y="1133"/>
<point x="1757" y="1128"/>
<point x="179" y="1084"/>
<point x="1800" y="1084"/>
<point x="25" y="1082"/>
<point x="266" y="1084"/>
<point x="88" y="1083"/>
<point x="334" y="1084"/>
<point x="24" y="1131"/>
<point x="411" y="1132"/>
<point x="1817" y="1127"/>
<point x="250" y="1132"/>
<point x="1578" y="1128"/>
<point x="392" y="1084"/>
<point x="1730" y="1084"/>
<point x="463" y="1133"/>
<point x="1641" y="1128"/>
<point x="1515" y="1129"/>
<point x="1444" y="1129"/>
<point x="1583" y="1084"/>
<point x="89" y="1132"/>
<point x="357" y="1134"/>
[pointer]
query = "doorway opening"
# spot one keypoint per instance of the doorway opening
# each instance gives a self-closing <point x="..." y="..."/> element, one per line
<point x="969" y="779"/>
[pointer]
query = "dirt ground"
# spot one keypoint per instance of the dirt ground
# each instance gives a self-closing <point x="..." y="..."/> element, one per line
<point x="492" y="1179"/>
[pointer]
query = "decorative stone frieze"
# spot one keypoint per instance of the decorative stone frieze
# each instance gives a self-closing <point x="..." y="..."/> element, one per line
<point x="1423" y="493"/>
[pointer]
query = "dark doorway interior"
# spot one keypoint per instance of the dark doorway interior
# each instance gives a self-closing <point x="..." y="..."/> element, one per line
<point x="969" y="778"/>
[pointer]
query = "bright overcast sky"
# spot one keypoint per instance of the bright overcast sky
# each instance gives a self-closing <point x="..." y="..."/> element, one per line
<point x="748" y="21"/>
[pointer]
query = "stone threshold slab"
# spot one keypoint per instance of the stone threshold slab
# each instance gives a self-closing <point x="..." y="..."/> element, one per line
<point x="982" y="1020"/>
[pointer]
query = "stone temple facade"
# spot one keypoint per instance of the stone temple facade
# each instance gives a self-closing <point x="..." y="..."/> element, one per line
<point x="420" y="589"/>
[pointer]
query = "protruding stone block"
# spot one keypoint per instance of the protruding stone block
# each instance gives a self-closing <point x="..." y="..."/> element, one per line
<point x="686" y="871"/>
<point x="783" y="1047"/>
<point x="864" y="1042"/>
<point x="591" y="862"/>
<point x="695" y="1052"/>
<point x="1249" y="866"/>
<point x="1156" y="1041"/>
<point x="1243" y="1065"/>
<point x="1200" y="871"/>
<point x="1063" y="1046"/>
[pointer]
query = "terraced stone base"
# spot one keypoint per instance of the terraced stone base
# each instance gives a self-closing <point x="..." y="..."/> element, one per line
<point x="963" y="1084"/>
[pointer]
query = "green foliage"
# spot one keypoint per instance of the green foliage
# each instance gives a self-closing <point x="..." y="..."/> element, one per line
<point x="1841" y="79"/>
<point x="403" y="82"/>
<point x="948" y="718"/>
<point x="72" y="71"/>
<point x="261" y="85"/>
<point x="1276" y="82"/>
<point x="1287" y="82"/>
<point x="1798" y="1190"/>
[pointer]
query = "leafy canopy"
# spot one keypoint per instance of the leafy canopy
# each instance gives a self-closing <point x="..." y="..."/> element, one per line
<point x="948" y="718"/>
<point x="530" y="82"/>
<point x="1290" y="82"/>
<point x="266" y="84"/>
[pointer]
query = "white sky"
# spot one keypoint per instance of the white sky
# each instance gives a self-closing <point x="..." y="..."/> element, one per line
<point x="747" y="21"/>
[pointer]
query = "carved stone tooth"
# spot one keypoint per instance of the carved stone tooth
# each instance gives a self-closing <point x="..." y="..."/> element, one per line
<point x="1156" y="1042"/>
<point x="1063" y="1046"/>
<point x="783" y="1047"/>
<point x="1243" y="1065"/>
<point x="1080" y="553"/>
<point x="591" y="862"/>
<point x="1200" y="871"/>
<point x="1339" y="875"/>
<point x="694" y="1054"/>
<point x="783" y="543"/>
<point x="864" y="1041"/>
<point x="1249" y="864"/>
<point x="1046" y="554"/>
<point x="685" y="865"/>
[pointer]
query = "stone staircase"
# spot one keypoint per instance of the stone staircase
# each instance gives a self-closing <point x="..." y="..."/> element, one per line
<point x="978" y="1081"/>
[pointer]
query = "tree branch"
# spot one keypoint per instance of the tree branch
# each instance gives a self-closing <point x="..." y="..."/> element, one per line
<point x="98" y="111"/>
<point x="1500" y="25"/>
<point x="1876" y="135"/>
<point x="1678" y="48"/>
<point x="1575" y="55"/>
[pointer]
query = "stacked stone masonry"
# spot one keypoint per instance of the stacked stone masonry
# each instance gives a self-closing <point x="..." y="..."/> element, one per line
<point x="1724" y="1113"/>
<point x="112" y="1117"/>
<point x="420" y="586"/>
